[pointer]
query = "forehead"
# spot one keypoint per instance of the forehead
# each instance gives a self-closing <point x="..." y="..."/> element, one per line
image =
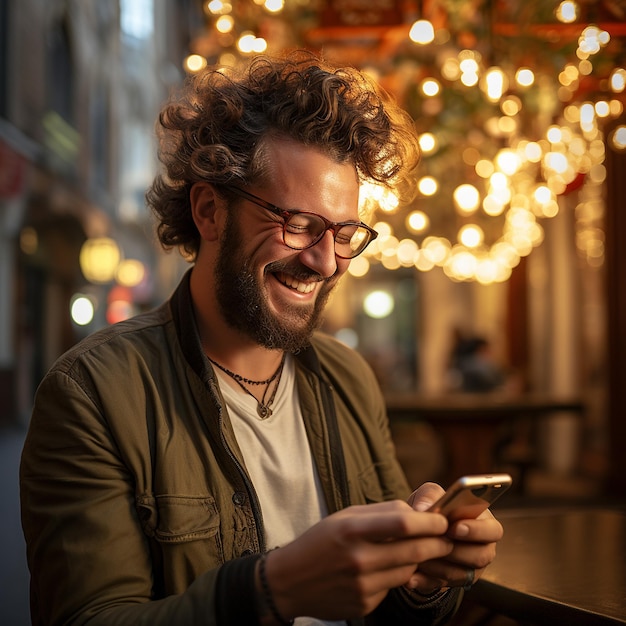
<point x="307" y="178"/>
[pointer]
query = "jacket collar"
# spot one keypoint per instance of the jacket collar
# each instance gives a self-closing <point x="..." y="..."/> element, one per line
<point x="181" y="306"/>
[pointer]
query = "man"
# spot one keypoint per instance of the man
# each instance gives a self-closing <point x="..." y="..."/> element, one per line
<point x="218" y="461"/>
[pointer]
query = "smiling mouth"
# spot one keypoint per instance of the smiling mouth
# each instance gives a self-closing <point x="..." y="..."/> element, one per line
<point x="294" y="283"/>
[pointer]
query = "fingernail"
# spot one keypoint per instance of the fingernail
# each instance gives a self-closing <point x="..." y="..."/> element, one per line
<point x="422" y="505"/>
<point x="462" y="530"/>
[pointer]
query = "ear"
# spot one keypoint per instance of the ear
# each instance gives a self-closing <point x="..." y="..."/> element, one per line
<point x="208" y="210"/>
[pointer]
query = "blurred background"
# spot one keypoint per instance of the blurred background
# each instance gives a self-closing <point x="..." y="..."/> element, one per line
<point x="492" y="309"/>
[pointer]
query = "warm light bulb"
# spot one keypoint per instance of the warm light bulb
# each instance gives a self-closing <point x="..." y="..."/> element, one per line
<point x="554" y="134"/>
<point x="511" y="105"/>
<point x="417" y="221"/>
<point x="618" y="80"/>
<point x="495" y="83"/>
<point x="508" y="162"/>
<point x="484" y="168"/>
<point x="130" y="272"/>
<point x="99" y="259"/>
<point x="407" y="252"/>
<point x="466" y="198"/>
<point x="587" y="113"/>
<point x="524" y="77"/>
<point x="195" y="63"/>
<point x="430" y="87"/>
<point x="533" y="152"/>
<point x="469" y="79"/>
<point x="378" y="304"/>
<point x="249" y="43"/>
<point x="215" y="6"/>
<point x="542" y="194"/>
<point x="468" y="65"/>
<point x="359" y="266"/>
<point x="602" y="108"/>
<point x="618" y="138"/>
<point x="461" y="265"/>
<point x="436" y="249"/>
<point x="422" y="32"/>
<point x="82" y="309"/>
<point x="428" y="142"/>
<point x="471" y="235"/>
<point x="428" y="186"/>
<point x="567" y="12"/>
<point x="557" y="162"/>
<point x="225" y="24"/>
<point x="274" y="6"/>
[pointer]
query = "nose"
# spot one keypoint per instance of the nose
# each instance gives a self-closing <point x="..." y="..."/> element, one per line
<point x="321" y="257"/>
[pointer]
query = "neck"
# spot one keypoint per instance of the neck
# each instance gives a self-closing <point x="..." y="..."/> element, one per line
<point x="222" y="343"/>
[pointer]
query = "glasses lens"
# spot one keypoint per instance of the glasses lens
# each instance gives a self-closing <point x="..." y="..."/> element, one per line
<point x="351" y="240"/>
<point x="304" y="229"/>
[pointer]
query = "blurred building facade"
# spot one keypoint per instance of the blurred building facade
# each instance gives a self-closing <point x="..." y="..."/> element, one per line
<point x="81" y="83"/>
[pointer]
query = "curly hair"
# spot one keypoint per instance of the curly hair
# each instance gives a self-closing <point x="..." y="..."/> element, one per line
<point x="215" y="131"/>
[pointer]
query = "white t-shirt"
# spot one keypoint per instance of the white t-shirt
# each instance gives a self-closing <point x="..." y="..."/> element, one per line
<point x="278" y="458"/>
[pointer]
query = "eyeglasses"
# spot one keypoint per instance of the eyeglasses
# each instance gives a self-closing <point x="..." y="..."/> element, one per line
<point x="303" y="229"/>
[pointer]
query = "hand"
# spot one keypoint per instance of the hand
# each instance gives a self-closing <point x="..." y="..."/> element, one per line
<point x="344" y="566"/>
<point x="474" y="548"/>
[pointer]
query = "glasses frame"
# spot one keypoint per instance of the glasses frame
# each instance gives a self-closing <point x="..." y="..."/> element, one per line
<point x="286" y="214"/>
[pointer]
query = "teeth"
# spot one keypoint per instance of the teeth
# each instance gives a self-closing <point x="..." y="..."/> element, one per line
<point x="290" y="281"/>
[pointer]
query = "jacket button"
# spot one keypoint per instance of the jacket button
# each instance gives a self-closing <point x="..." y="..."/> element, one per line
<point x="239" y="498"/>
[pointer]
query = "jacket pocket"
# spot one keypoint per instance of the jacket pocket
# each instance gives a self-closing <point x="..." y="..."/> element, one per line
<point x="184" y="539"/>
<point x="177" y="519"/>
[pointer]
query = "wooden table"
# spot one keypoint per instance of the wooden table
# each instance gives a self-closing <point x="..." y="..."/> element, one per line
<point x="558" y="567"/>
<point x="470" y="425"/>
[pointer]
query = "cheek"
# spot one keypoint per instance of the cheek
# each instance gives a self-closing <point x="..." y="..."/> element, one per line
<point x="266" y="243"/>
<point x="342" y="266"/>
<point x="261" y="255"/>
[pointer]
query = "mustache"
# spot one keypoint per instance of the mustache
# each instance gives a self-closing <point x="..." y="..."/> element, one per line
<point x="298" y="271"/>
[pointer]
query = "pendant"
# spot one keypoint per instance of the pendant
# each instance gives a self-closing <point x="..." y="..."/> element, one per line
<point x="263" y="411"/>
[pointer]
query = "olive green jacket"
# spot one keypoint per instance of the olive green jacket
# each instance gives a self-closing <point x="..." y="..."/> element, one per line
<point x="136" y="504"/>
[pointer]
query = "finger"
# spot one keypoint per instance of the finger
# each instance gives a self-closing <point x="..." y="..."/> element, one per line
<point x="381" y="524"/>
<point x="463" y="556"/>
<point x="473" y="555"/>
<point x="392" y="578"/>
<point x="484" y="529"/>
<point x="425" y="496"/>
<point x="409" y="552"/>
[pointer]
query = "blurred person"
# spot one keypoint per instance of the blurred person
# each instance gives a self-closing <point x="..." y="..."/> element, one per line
<point x="474" y="367"/>
<point x="219" y="460"/>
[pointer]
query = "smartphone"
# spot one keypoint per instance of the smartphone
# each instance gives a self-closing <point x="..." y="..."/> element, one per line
<point x="469" y="496"/>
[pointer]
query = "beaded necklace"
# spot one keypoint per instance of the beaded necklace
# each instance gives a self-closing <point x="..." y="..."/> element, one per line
<point x="263" y="408"/>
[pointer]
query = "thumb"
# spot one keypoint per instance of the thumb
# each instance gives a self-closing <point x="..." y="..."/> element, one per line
<point x="425" y="496"/>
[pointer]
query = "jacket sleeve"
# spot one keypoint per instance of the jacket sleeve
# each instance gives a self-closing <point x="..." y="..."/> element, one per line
<point x="89" y="559"/>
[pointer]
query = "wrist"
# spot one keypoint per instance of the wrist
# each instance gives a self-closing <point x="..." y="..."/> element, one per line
<point x="267" y="609"/>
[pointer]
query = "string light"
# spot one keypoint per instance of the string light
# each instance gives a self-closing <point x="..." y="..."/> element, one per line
<point x="422" y="32"/>
<point x="617" y="80"/>
<point x="618" y="138"/>
<point x="517" y="179"/>
<point x="567" y="12"/>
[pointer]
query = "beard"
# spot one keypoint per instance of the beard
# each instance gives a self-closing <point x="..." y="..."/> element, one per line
<point x="243" y="301"/>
